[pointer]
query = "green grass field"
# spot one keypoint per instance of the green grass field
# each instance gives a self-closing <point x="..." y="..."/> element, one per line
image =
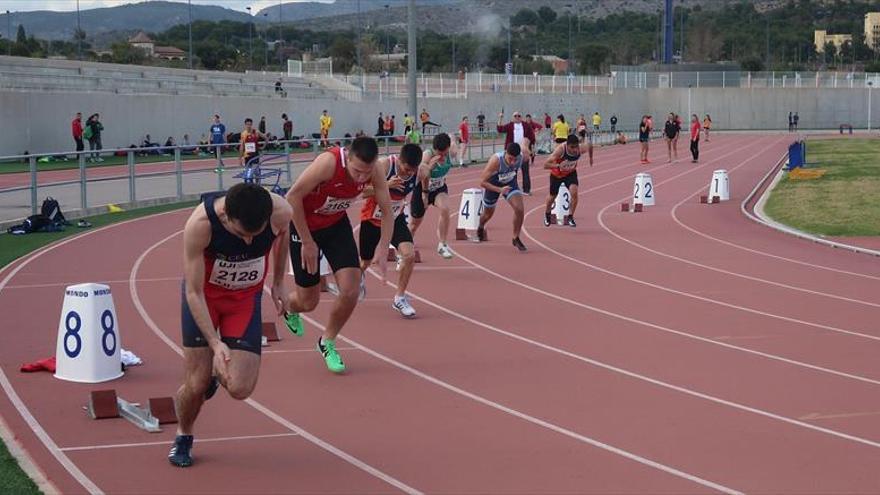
<point x="844" y="202"/>
<point x="12" y="478"/>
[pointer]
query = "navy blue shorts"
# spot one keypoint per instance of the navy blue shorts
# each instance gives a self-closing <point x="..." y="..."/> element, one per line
<point x="490" y="198"/>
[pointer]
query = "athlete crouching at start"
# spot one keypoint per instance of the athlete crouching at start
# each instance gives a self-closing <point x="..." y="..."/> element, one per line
<point x="225" y="246"/>
<point x="320" y="198"/>
<point x="401" y="173"/>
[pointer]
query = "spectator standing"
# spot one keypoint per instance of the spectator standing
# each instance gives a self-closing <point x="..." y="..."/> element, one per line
<point x="218" y="136"/>
<point x="644" y="138"/>
<point x="695" y="138"/>
<point x="795" y="118"/>
<point x="707" y="126"/>
<point x="670" y="132"/>
<point x="408" y="123"/>
<point x="523" y="134"/>
<point x="597" y="121"/>
<point x="76" y="129"/>
<point x="548" y="122"/>
<point x="380" y="125"/>
<point x="393" y="125"/>
<point x="326" y="122"/>
<point x="95" y="127"/>
<point x="613" y="122"/>
<point x="262" y="126"/>
<point x="790" y="122"/>
<point x="481" y="122"/>
<point x="464" y="135"/>
<point x="287" y="127"/>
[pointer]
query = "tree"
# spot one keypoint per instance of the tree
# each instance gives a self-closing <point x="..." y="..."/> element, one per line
<point x="547" y="14"/>
<point x="20" y="36"/>
<point x="830" y="51"/>
<point x="525" y="17"/>
<point x="752" y="64"/>
<point x="591" y="58"/>
<point x="344" y="53"/>
<point x="124" y="53"/>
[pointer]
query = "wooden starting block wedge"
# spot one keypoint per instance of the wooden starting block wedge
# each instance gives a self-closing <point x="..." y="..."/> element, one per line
<point x="102" y="404"/>
<point x="553" y="219"/>
<point x="624" y="206"/>
<point x="461" y="235"/>
<point x="270" y="331"/>
<point x="716" y="199"/>
<point x="162" y="408"/>
<point x="638" y="208"/>
<point x="704" y="199"/>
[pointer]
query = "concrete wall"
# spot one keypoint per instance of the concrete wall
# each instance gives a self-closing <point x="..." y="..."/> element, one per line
<point x="40" y="122"/>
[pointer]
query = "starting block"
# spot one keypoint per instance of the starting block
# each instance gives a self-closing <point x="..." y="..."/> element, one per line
<point x="102" y="404"/>
<point x="716" y="200"/>
<point x="704" y="199"/>
<point x="638" y="208"/>
<point x="270" y="332"/>
<point x="624" y="206"/>
<point x="162" y="408"/>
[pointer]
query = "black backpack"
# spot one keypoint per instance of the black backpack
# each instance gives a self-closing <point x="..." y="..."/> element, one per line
<point x="52" y="210"/>
<point x="35" y="223"/>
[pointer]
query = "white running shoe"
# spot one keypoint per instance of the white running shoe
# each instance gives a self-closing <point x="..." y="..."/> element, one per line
<point x="444" y="251"/>
<point x="402" y="306"/>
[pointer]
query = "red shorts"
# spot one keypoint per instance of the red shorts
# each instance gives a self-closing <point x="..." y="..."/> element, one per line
<point x="239" y="320"/>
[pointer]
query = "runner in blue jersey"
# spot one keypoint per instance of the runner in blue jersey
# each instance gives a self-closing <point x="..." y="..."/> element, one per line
<point x="499" y="179"/>
<point x="431" y="189"/>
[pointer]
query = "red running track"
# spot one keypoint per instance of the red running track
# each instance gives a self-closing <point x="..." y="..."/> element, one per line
<point x="681" y="350"/>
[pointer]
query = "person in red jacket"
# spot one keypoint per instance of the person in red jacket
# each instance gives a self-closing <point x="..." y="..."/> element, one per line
<point x="464" y="137"/>
<point x="519" y="132"/>
<point x="695" y="138"/>
<point x="76" y="128"/>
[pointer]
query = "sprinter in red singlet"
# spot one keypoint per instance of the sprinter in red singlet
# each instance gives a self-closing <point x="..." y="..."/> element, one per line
<point x="320" y="198"/>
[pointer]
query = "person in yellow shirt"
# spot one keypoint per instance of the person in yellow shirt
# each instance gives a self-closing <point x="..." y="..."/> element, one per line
<point x="707" y="125"/>
<point x="408" y="123"/>
<point x="597" y="121"/>
<point x="326" y="124"/>
<point x="561" y="130"/>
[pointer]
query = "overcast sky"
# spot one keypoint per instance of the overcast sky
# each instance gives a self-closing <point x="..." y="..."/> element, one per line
<point x="68" y="5"/>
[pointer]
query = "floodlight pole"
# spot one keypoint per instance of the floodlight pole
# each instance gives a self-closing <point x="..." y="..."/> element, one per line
<point x="411" y="58"/>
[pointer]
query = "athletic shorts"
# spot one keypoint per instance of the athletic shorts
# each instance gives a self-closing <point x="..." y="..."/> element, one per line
<point x="569" y="180"/>
<point x="417" y="204"/>
<point x="490" y="198"/>
<point x="561" y="140"/>
<point x="370" y="233"/>
<point x="238" y="319"/>
<point x="336" y="242"/>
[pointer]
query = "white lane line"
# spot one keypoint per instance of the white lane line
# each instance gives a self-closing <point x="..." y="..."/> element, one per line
<point x="165" y="442"/>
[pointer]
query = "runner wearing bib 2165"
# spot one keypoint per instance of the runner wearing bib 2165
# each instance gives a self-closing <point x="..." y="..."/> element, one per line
<point x="562" y="164"/>
<point x="400" y="173"/>
<point x="320" y="197"/>
<point x="431" y="189"/>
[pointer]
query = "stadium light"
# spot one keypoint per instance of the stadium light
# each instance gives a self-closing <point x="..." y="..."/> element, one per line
<point x="78" y="34"/>
<point x="190" y="58"/>
<point x="250" y="39"/>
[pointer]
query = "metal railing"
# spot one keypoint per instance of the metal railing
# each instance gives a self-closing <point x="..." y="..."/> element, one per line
<point x="179" y="172"/>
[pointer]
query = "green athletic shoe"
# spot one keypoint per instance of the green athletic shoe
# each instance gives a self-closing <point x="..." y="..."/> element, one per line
<point x="294" y="323"/>
<point x="331" y="357"/>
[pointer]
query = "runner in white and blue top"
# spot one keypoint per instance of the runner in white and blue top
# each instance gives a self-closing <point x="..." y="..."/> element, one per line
<point x="499" y="179"/>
